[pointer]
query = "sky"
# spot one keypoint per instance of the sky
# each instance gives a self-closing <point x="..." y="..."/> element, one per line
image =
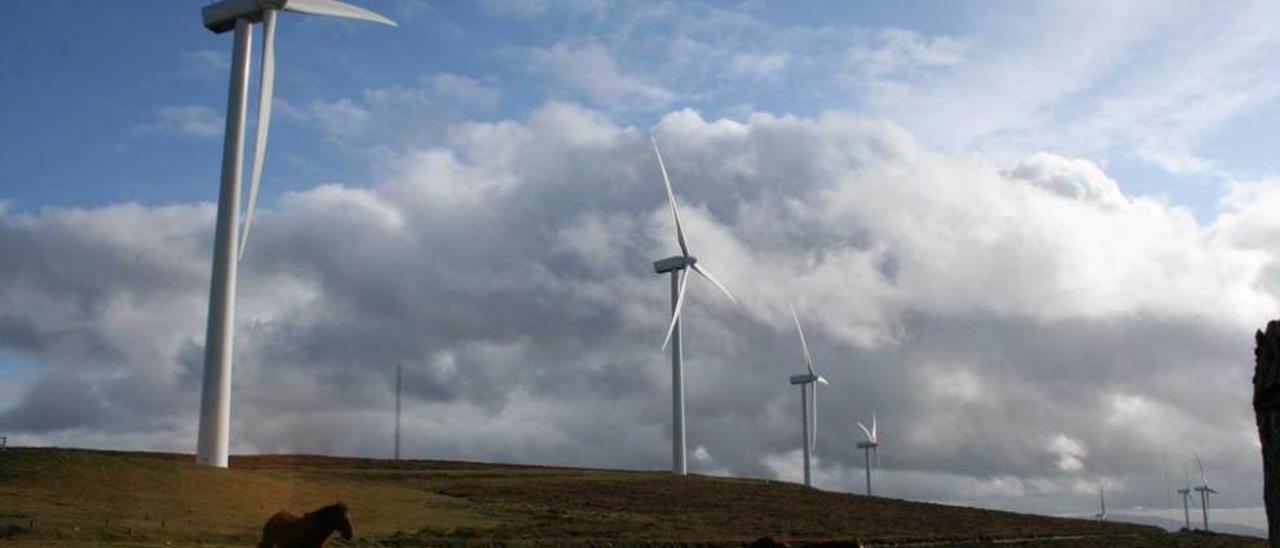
<point x="1033" y="238"/>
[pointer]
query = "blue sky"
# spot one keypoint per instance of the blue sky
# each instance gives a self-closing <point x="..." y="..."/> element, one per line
<point x="977" y="208"/>
<point x="88" y="93"/>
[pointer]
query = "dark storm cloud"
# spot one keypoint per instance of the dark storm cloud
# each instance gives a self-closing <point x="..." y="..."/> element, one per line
<point x="57" y="402"/>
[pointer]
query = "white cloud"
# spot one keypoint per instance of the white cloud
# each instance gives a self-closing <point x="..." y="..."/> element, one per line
<point x="1076" y="179"/>
<point x="983" y="311"/>
<point x="592" y="71"/>
<point x="1069" y="452"/>
<point x="463" y="88"/>
<point x="535" y="8"/>
<point x="339" y="119"/>
<point x="206" y="63"/>
<point x="185" y="121"/>
<point x="760" y="65"/>
<point x="894" y="50"/>
<point x="1116" y="80"/>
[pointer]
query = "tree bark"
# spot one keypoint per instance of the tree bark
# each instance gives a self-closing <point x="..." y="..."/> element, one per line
<point x="1266" y="406"/>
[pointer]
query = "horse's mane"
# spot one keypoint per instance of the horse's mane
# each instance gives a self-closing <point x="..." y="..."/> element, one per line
<point x="336" y="509"/>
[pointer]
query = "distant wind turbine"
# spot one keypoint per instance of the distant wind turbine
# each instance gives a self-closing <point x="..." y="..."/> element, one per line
<point x="1205" y="491"/>
<point x="679" y="267"/>
<point x="240" y="15"/>
<point x="1102" y="500"/>
<point x="869" y="447"/>
<point x="1186" y="498"/>
<point x="808" y="382"/>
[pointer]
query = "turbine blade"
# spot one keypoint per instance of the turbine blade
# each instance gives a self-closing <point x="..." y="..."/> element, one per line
<point x="808" y="359"/>
<point x="876" y="450"/>
<point x="865" y="431"/>
<point x="822" y="379"/>
<point x="334" y="8"/>
<point x="1203" y="481"/>
<point x="874" y="439"/>
<point x="671" y="198"/>
<point x="266" y="90"/>
<point x="711" y="278"/>
<point x="675" y="314"/>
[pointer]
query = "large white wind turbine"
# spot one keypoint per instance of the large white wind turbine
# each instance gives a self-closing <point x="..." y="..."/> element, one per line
<point x="808" y="409"/>
<point x="679" y="267"/>
<point x="240" y="15"/>
<point x="1204" y="491"/>
<point x="869" y="447"/>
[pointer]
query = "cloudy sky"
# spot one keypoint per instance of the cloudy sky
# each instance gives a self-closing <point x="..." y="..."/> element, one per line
<point x="1035" y="239"/>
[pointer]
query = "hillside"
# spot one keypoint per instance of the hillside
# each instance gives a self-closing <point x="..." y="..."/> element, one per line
<point x="59" y="497"/>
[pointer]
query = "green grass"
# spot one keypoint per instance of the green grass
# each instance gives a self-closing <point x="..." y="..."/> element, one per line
<point x="58" y="497"/>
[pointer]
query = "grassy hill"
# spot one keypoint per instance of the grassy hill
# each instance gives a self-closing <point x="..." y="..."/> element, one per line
<point x="60" y="497"/>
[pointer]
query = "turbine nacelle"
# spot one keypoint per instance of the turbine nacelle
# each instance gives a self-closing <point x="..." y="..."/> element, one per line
<point x="869" y="445"/>
<point x="807" y="378"/>
<point x="670" y="264"/>
<point x="221" y="16"/>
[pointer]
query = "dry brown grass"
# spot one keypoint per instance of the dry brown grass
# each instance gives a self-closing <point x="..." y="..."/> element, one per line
<point x="55" y="497"/>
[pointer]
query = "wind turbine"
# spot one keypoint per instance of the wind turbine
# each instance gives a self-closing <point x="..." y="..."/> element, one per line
<point x="240" y="15"/>
<point x="1205" y="491"/>
<point x="679" y="267"/>
<point x="1102" y="499"/>
<point x="808" y="382"/>
<point x="870" y="446"/>
<point x="1186" y="498"/>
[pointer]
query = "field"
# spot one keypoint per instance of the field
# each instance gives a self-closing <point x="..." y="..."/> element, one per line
<point x="60" y="497"/>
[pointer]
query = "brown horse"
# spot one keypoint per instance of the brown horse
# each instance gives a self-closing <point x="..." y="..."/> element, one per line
<point x="285" y="530"/>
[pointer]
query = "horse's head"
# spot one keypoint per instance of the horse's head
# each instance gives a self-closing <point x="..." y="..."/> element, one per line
<point x="340" y="519"/>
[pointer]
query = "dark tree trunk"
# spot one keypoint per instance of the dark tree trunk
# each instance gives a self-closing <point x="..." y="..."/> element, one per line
<point x="1266" y="405"/>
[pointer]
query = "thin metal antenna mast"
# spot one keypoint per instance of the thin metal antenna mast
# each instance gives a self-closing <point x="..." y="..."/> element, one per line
<point x="1168" y="489"/>
<point x="398" y="368"/>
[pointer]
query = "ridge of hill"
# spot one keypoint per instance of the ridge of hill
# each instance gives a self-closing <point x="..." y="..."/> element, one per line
<point x="71" y="497"/>
<point x="1175" y="525"/>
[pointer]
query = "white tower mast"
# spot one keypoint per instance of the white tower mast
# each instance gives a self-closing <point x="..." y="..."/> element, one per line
<point x="215" y="393"/>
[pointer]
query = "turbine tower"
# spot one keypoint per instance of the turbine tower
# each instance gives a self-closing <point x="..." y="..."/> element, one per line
<point x="678" y="266"/>
<point x="1102" y="500"/>
<point x="240" y="15"/>
<point x="808" y="382"/>
<point x="870" y="446"/>
<point x="1186" y="498"/>
<point x="1204" y="491"/>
